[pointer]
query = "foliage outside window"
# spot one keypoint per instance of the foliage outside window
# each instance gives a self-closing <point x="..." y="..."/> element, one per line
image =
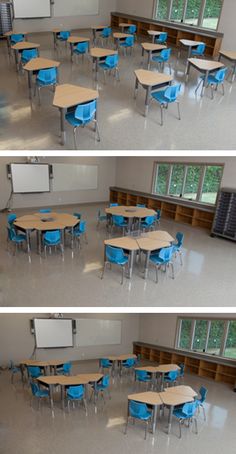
<point x="201" y="13"/>
<point x="199" y="182"/>
<point x="213" y="336"/>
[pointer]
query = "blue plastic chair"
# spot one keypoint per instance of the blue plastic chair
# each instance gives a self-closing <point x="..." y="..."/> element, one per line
<point x="38" y="393"/>
<point x="65" y="369"/>
<point x="45" y="210"/>
<point x="166" y="97"/>
<point x="82" y="115"/>
<point x="140" y="412"/>
<point x="179" y="245"/>
<point x="128" y="364"/>
<point x="171" y="377"/>
<point x="28" y="54"/>
<point x="163" y="58"/>
<point x="79" y="231"/>
<point x="158" y="217"/>
<point x="132" y="30"/>
<point x="76" y="394"/>
<point x="162" y="38"/>
<point x="186" y="413"/>
<point x="163" y="258"/>
<point x="148" y="223"/>
<point x="18" y="239"/>
<point x="101" y="218"/>
<point x="120" y="222"/>
<point x="200" y="402"/>
<point x="34" y="371"/>
<point x="111" y="64"/>
<point x="199" y="50"/>
<point x="115" y="256"/>
<point x="14" y="370"/>
<point x="182" y="369"/>
<point x="17" y="38"/>
<point x="11" y="218"/>
<point x="142" y="376"/>
<point x="114" y="205"/>
<point x="46" y="78"/>
<point x="77" y="215"/>
<point x="63" y="35"/>
<point x="105" y="35"/>
<point x="104" y="364"/>
<point x="128" y="43"/>
<point x="214" y="80"/>
<point x="140" y="205"/>
<point x="52" y="239"/>
<point x="102" y="388"/>
<point x="81" y="49"/>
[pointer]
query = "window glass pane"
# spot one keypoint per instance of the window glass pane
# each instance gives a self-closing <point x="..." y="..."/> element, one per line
<point x="177" y="177"/>
<point x="192" y="11"/>
<point x="211" y="184"/>
<point x="200" y="335"/>
<point x="212" y="13"/>
<point x="177" y="10"/>
<point x="192" y="182"/>
<point x="215" y="337"/>
<point x="162" y="9"/>
<point x="161" y="179"/>
<point x="185" y="334"/>
<point x="230" y="349"/>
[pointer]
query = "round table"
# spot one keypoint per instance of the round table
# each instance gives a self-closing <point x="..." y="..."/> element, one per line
<point x="130" y="212"/>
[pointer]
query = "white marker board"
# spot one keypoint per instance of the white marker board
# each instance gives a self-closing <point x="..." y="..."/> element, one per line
<point x="28" y="9"/>
<point x="76" y="7"/>
<point x="71" y="177"/>
<point x="29" y="178"/>
<point x="53" y="333"/>
<point x="93" y="332"/>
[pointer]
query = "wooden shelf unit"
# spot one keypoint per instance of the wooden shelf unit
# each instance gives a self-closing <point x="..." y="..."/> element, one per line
<point x="210" y="368"/>
<point x="213" y="40"/>
<point x="196" y="217"/>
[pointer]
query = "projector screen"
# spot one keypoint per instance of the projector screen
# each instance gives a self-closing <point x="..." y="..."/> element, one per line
<point x="53" y="333"/>
<point x="28" y="9"/>
<point x="97" y="332"/>
<point x="29" y="178"/>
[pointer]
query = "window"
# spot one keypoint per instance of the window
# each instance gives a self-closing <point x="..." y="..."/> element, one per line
<point x="211" y="14"/>
<point x="162" y="10"/>
<point x="177" y="10"/>
<point x="192" y="12"/>
<point x="211" y="336"/>
<point x="191" y="182"/>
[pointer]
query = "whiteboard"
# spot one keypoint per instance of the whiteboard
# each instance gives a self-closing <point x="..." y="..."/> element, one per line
<point x="76" y="7"/>
<point x="28" y="178"/>
<point x="71" y="177"/>
<point x="93" y="332"/>
<point x="24" y="9"/>
<point x="53" y="333"/>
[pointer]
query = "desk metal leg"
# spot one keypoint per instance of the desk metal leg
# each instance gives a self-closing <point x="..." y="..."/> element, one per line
<point x="187" y="70"/>
<point x="136" y="88"/>
<point x="16" y="58"/>
<point x="147" y="100"/>
<point x="146" y="264"/>
<point x="94" y="37"/>
<point x="62" y="121"/>
<point x="51" y="397"/>
<point x="96" y="70"/>
<point x="63" y="397"/>
<point x="142" y="56"/>
<point x="131" y="262"/>
<point x="149" y="60"/>
<point x="162" y="382"/>
<point x="71" y="51"/>
<point x="28" y="241"/>
<point x="30" y="84"/>
<point x="170" y="418"/>
<point x="154" y="419"/>
<point x="204" y="83"/>
<point x="234" y="71"/>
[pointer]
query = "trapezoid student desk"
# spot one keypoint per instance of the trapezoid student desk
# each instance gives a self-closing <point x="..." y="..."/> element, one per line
<point x="150" y="81"/>
<point x="151" y="49"/>
<point x="97" y="28"/>
<point x="128" y="244"/>
<point x="67" y="96"/>
<point x="130" y="213"/>
<point x="189" y="44"/>
<point x="150" y="398"/>
<point x="160" y="370"/>
<point x="230" y="56"/>
<point x="74" y="40"/>
<point x="205" y="67"/>
<point x="99" y="54"/>
<point x="8" y="36"/>
<point x="120" y="37"/>
<point x="45" y="365"/>
<point x="172" y="400"/>
<point x="184" y="390"/>
<point x="153" y="34"/>
<point x="56" y="32"/>
<point x="19" y="47"/>
<point x="117" y="361"/>
<point x="124" y="25"/>
<point x="35" y="65"/>
<point x="149" y="245"/>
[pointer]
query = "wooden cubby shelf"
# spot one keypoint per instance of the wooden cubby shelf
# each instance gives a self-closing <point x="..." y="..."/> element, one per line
<point x="176" y="31"/>
<point x="178" y="210"/>
<point x="216" y="368"/>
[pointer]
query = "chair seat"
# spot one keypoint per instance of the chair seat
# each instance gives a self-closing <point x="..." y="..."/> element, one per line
<point x="42" y="83"/>
<point x="159" y="96"/>
<point x="143" y="417"/>
<point x="42" y="393"/>
<point x="157" y="260"/>
<point x="119" y="262"/>
<point x="72" y="397"/>
<point x="125" y="45"/>
<point x="179" y="414"/>
<point x="19" y="238"/>
<point x="159" y="59"/>
<point x="51" y="243"/>
<point x="79" y="52"/>
<point x="102" y="218"/>
<point x="105" y="66"/>
<point x="70" y="117"/>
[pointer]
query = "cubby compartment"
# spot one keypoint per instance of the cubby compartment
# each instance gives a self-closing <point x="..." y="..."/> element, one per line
<point x="202" y="219"/>
<point x="165" y="357"/>
<point x="184" y="214"/>
<point x="168" y="210"/>
<point x="122" y="198"/>
<point x="155" y="355"/>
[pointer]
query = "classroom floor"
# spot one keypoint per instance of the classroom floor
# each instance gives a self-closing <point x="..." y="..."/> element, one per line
<point x="205" y="279"/>
<point x="25" y="429"/>
<point x="205" y="124"/>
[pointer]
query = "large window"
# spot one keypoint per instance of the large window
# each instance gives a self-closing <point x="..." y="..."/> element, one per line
<point x="199" y="182"/>
<point x="212" y="336"/>
<point x="201" y="13"/>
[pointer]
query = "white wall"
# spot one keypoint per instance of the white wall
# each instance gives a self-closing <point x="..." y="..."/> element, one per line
<point x="75" y="22"/>
<point x="106" y="178"/>
<point x="17" y="343"/>
<point x="136" y="7"/>
<point x="227" y="24"/>
<point x="136" y="173"/>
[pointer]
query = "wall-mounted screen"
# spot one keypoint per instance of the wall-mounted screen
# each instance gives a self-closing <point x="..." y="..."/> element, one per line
<point x="29" y="9"/>
<point x="53" y="333"/>
<point x="29" y="178"/>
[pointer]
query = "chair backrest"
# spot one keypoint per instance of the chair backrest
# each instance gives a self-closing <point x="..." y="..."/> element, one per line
<point x="140" y="205"/>
<point x="129" y="41"/>
<point x="162" y="37"/>
<point x="34" y="371"/>
<point x="82" y="47"/>
<point x="104" y="362"/>
<point x="28" y="54"/>
<point x="86" y="112"/>
<point x="114" y="205"/>
<point x="114" y="254"/>
<point x="11" y="218"/>
<point x="150" y="220"/>
<point x="117" y="220"/>
<point x="182" y="367"/>
<point x="64" y="34"/>
<point x="166" y="253"/>
<point x="106" y="32"/>
<point x="106" y="381"/>
<point x="201" y="48"/>
<point x="11" y="233"/>
<point x="137" y="410"/>
<point x="132" y="29"/>
<point x="45" y="210"/>
<point x="158" y="215"/>
<point x="141" y="374"/>
<point x="17" y="38"/>
<point x="172" y="92"/>
<point x="77" y="215"/>
<point x="173" y="374"/>
<point x="67" y="368"/>
<point x="53" y="236"/>
<point x="112" y="60"/>
<point x="76" y="392"/>
<point x="180" y="239"/>
<point x="34" y="388"/>
<point x="165" y="54"/>
<point x="47" y="76"/>
<point x="220" y="74"/>
<point x="82" y="226"/>
<point x="189" y="409"/>
<point x="130" y="362"/>
<point x="203" y="393"/>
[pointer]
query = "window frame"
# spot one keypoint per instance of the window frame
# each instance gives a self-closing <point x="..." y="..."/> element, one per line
<point x="200" y="15"/>
<point x="171" y="164"/>
<point x="226" y="321"/>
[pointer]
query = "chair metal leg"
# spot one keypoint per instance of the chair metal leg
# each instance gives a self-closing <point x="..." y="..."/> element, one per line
<point x="75" y="141"/>
<point x="223" y="89"/>
<point x="196" y="426"/>
<point x="104" y="268"/>
<point x="198" y="86"/>
<point x="177" y="102"/>
<point x="212" y="92"/>
<point x="204" y="412"/>
<point x="146" y="426"/>
<point x="97" y="131"/>
<point x="180" y="432"/>
<point x="172" y="269"/>
<point x="156" y="274"/>
<point x="122" y="275"/>
<point x="126" y="426"/>
<point x="162" y="106"/>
